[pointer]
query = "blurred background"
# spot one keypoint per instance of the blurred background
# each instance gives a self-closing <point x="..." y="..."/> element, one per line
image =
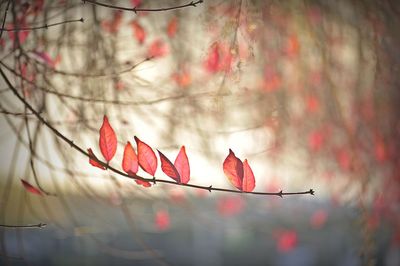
<point x="306" y="90"/>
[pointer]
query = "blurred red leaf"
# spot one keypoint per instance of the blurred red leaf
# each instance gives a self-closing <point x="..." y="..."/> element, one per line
<point x="146" y="156"/>
<point x="287" y="240"/>
<point x="22" y="35"/>
<point x="230" y="205"/>
<point x="157" y="48"/>
<point x="168" y="168"/>
<point x="292" y="46"/>
<point x="113" y="25"/>
<point x="212" y="61"/>
<point x="182" y="78"/>
<point x="316" y="140"/>
<point x="381" y="154"/>
<point x="182" y="165"/>
<point x="219" y="58"/>
<point x="313" y="104"/>
<point x="172" y="27"/>
<point x="343" y="159"/>
<point x="31" y="188"/>
<point x="318" y="219"/>
<point x="248" y="183"/>
<point x="138" y="31"/>
<point x="93" y="158"/>
<point x="107" y="140"/>
<point x="136" y="3"/>
<point x="130" y="162"/>
<point x="233" y="169"/>
<point x="272" y="80"/>
<point x="162" y="220"/>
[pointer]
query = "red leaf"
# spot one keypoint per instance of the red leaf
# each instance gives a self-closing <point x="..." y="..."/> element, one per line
<point x="108" y="140"/>
<point x="143" y="183"/>
<point x="168" y="168"/>
<point x="138" y="31"/>
<point x="31" y="188"/>
<point x="130" y="162"/>
<point x="172" y="27"/>
<point x="182" y="165"/>
<point x="147" y="157"/>
<point x="248" y="182"/>
<point x="93" y="158"/>
<point x="233" y="169"/>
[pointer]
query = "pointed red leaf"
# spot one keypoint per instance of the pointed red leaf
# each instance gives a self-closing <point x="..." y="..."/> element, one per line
<point x="233" y="169"/>
<point x="248" y="182"/>
<point x="108" y="140"/>
<point x="146" y="156"/>
<point x="93" y="158"/>
<point x="182" y="165"/>
<point x="31" y="188"/>
<point x="130" y="162"/>
<point x="168" y="168"/>
<point x="143" y="183"/>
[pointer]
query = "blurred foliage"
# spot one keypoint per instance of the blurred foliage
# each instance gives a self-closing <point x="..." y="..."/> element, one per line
<point x="307" y="90"/>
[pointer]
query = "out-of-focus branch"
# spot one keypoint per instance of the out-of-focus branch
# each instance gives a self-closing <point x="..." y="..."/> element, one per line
<point x="138" y="9"/>
<point x="29" y="226"/>
<point x="45" y="26"/>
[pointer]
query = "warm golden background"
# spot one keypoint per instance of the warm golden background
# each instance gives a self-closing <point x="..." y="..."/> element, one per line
<point x="308" y="91"/>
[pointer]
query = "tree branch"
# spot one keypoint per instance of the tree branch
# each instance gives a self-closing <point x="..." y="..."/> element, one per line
<point x="153" y="180"/>
<point x="137" y="9"/>
<point x="29" y="226"/>
<point x="45" y="26"/>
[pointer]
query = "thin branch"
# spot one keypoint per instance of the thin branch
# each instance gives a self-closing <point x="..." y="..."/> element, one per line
<point x="4" y="18"/>
<point x="29" y="226"/>
<point x="138" y="9"/>
<point x="154" y="180"/>
<point x="45" y="26"/>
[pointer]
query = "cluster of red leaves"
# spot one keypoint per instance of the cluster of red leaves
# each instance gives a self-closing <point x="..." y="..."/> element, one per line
<point x="145" y="157"/>
<point x="239" y="173"/>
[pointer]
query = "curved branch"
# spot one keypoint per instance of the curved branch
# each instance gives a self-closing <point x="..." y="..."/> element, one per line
<point x="138" y="9"/>
<point x="154" y="180"/>
<point x="45" y="26"/>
